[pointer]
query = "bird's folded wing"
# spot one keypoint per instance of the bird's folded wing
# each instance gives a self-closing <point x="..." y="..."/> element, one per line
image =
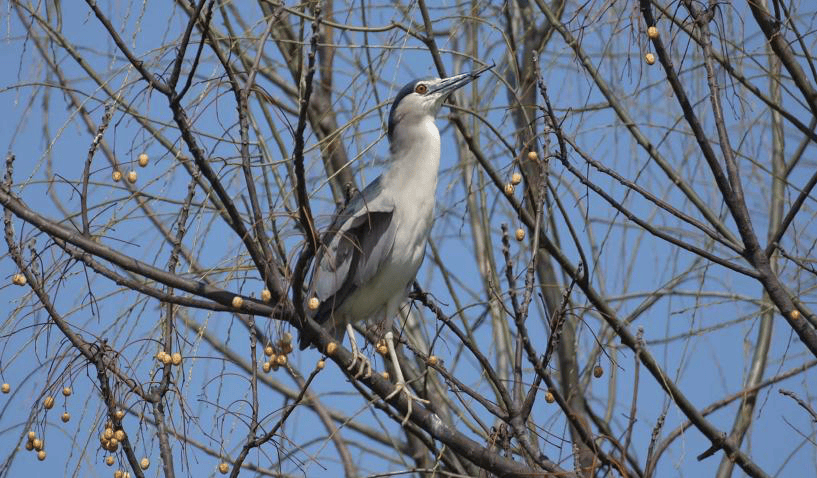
<point x="360" y="239"/>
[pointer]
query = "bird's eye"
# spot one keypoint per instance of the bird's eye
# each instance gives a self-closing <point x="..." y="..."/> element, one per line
<point x="421" y="89"/>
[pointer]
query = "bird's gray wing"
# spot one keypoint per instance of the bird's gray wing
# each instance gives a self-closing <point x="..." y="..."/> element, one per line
<point x="360" y="239"/>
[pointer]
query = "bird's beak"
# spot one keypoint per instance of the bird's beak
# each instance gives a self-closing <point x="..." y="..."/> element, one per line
<point x="448" y="85"/>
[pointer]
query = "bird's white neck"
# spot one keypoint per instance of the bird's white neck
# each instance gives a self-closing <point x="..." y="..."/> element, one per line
<point x="415" y="156"/>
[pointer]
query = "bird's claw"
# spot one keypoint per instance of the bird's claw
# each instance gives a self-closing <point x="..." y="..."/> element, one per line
<point x="364" y="366"/>
<point x="410" y="397"/>
<point x="401" y="382"/>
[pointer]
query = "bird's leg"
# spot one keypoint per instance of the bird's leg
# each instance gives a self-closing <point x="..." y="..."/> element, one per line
<point x="400" y="385"/>
<point x="357" y="355"/>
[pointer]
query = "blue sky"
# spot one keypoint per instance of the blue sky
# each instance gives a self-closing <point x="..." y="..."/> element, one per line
<point x="708" y="365"/>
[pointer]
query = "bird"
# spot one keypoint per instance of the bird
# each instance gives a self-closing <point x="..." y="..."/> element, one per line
<point x="371" y="252"/>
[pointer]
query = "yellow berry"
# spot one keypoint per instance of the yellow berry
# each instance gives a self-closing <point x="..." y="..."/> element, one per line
<point x="18" y="279"/>
<point x="31" y="435"/>
<point x="266" y="295"/>
<point x="41" y="455"/>
<point x="313" y="303"/>
<point x="118" y="474"/>
<point x="266" y="367"/>
<point x="117" y="176"/>
<point x="532" y="155"/>
<point x="5" y="388"/>
<point x="432" y="360"/>
<point x="166" y="358"/>
<point x="381" y="347"/>
<point x="48" y="403"/>
<point x="120" y="414"/>
<point x="107" y="434"/>
<point x="649" y="58"/>
<point x="321" y="364"/>
<point x="268" y="350"/>
<point x="652" y="32"/>
<point x="516" y="178"/>
<point x="509" y="189"/>
<point x="131" y="177"/>
<point x="37" y="444"/>
<point x="238" y="302"/>
<point x="112" y="444"/>
<point x="143" y="159"/>
<point x="119" y="435"/>
<point x="598" y="371"/>
<point x="109" y="460"/>
<point x="331" y="348"/>
<point x="286" y="347"/>
<point x="520" y="234"/>
<point x="281" y="360"/>
<point x="144" y="464"/>
<point x="65" y="417"/>
<point x="29" y="445"/>
<point x="286" y="338"/>
<point x="549" y="397"/>
<point x="223" y="467"/>
<point x="176" y="358"/>
<point x="385" y="375"/>
<point x="66" y="391"/>
<point x="795" y="314"/>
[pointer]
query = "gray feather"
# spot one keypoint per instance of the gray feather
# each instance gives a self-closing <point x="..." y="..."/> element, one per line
<point x="358" y="241"/>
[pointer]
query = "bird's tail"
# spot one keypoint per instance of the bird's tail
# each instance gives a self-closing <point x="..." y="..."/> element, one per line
<point x="305" y="339"/>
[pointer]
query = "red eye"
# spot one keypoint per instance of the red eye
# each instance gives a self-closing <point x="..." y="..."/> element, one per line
<point x="421" y="89"/>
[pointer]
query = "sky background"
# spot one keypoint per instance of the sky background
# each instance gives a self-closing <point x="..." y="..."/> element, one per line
<point x="707" y="365"/>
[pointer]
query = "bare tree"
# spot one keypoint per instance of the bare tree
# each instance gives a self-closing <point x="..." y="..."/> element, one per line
<point x="620" y="277"/>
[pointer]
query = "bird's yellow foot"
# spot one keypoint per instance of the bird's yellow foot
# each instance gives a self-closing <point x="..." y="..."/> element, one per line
<point x="400" y="385"/>
<point x="364" y="367"/>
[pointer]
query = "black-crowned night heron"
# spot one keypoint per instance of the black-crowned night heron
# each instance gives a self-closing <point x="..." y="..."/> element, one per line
<point x="371" y="253"/>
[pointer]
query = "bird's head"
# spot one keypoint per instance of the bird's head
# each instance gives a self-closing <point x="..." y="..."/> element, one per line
<point x="423" y="97"/>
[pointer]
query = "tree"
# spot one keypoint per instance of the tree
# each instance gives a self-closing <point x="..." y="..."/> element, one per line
<point x="619" y="281"/>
